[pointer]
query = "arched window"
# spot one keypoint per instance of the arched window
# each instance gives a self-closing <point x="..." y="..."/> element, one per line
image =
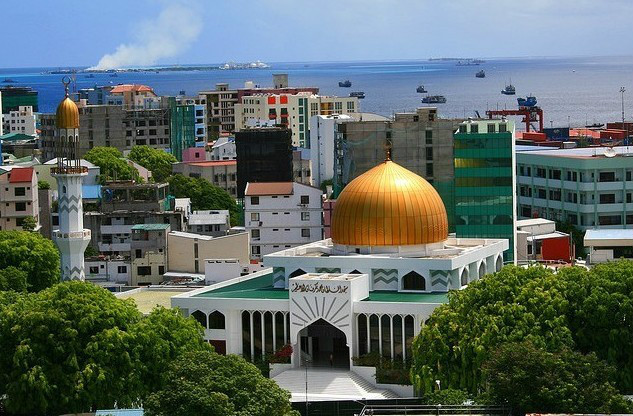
<point x="297" y="272"/>
<point x="201" y="317"/>
<point x="216" y="320"/>
<point x="482" y="270"/>
<point x="499" y="264"/>
<point x="413" y="281"/>
<point x="355" y="272"/>
<point x="246" y="334"/>
<point x="64" y="189"/>
<point x="464" y="278"/>
<point x="362" y="334"/>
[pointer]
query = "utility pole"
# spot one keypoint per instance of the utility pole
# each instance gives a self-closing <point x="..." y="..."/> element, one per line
<point x="622" y="91"/>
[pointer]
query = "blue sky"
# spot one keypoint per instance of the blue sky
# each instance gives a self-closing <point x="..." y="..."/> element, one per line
<point x="81" y="32"/>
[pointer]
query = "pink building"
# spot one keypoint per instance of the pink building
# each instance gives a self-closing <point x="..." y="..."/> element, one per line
<point x="194" y="154"/>
<point x="18" y="193"/>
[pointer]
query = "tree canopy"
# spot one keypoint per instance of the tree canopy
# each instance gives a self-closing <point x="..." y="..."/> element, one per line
<point x="111" y="163"/>
<point x="156" y="160"/>
<point x="204" y="195"/>
<point x="75" y="347"/>
<point x="581" y="310"/>
<point x="12" y="278"/>
<point x="529" y="379"/>
<point x="33" y="255"/>
<point x="206" y="383"/>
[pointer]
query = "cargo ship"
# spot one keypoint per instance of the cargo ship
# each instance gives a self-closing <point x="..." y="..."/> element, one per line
<point x="434" y="99"/>
<point x="509" y="90"/>
<point x="529" y="101"/>
<point x="481" y="74"/>
<point x="345" y="84"/>
<point x="357" y="94"/>
<point x="421" y="89"/>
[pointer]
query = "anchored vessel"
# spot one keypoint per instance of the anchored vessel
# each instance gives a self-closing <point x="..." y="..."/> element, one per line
<point x="357" y="94"/>
<point x="434" y="99"/>
<point x="345" y="84"/>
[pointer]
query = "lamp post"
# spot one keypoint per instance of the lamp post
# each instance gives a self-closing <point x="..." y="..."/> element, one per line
<point x="622" y="91"/>
<point x="305" y="364"/>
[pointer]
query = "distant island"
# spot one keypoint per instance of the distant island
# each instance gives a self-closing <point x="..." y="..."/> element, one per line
<point x="227" y="66"/>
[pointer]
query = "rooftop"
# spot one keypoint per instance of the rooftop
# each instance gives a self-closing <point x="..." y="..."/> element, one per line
<point x="608" y="236"/>
<point x="533" y="221"/>
<point x="261" y="287"/>
<point x="82" y="162"/>
<point x="210" y="163"/>
<point x="19" y="175"/>
<point x="268" y="188"/>
<point x="208" y="217"/>
<point x="151" y="227"/>
<point x="131" y="87"/>
<point x="582" y="153"/>
<point x="147" y="298"/>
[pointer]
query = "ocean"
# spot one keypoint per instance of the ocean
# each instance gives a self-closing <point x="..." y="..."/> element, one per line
<point x="571" y="91"/>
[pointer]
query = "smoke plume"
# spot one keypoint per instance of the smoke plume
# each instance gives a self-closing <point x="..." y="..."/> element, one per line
<point x="170" y="33"/>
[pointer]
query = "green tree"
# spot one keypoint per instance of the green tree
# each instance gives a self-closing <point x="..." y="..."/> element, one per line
<point x="29" y="224"/>
<point x="91" y="251"/>
<point x="42" y="184"/>
<point x="76" y="347"/>
<point x="211" y="384"/>
<point x="158" y="161"/>
<point x="529" y="379"/>
<point x="12" y="278"/>
<point x="446" y="397"/>
<point x="112" y="164"/>
<point x="204" y="195"/>
<point x="33" y="254"/>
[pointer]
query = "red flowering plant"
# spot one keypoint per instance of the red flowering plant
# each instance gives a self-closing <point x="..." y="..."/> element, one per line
<point x="282" y="355"/>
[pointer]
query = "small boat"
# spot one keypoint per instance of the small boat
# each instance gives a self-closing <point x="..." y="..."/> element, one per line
<point x="595" y="126"/>
<point x="357" y="94"/>
<point x="345" y="84"/>
<point x="90" y="76"/>
<point x="509" y="90"/>
<point x="529" y="101"/>
<point x="114" y="74"/>
<point x="481" y="74"/>
<point x="421" y="89"/>
<point x="434" y="99"/>
<point x="8" y="80"/>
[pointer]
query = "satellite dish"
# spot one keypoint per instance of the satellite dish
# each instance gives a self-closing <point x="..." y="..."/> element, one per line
<point x="609" y="152"/>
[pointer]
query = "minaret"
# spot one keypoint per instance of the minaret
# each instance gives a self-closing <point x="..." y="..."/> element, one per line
<point x="71" y="237"/>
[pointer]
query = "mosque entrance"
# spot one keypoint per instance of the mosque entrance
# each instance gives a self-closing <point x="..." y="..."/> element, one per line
<point x="323" y="345"/>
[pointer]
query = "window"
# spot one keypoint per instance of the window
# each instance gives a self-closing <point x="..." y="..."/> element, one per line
<point x="94" y="269"/>
<point x="413" y="281"/>
<point x="305" y="216"/>
<point x="161" y="270"/>
<point x="503" y="128"/>
<point x="195" y="250"/>
<point x="474" y="128"/>
<point x="628" y="197"/>
<point x="196" y="266"/>
<point x="628" y="175"/>
<point x="217" y="321"/>
<point x="429" y="136"/>
<point x="254" y="233"/>
<point x="607" y="198"/>
<point x="21" y="191"/>
<point x="20" y="206"/>
<point x="255" y="250"/>
<point x="607" y="177"/>
<point x="429" y="170"/>
<point x="491" y="128"/>
<point x="305" y="232"/>
<point x="540" y="173"/>
<point x="254" y="200"/>
<point x="429" y="153"/>
<point x="254" y="216"/>
<point x="144" y="270"/>
<point x="554" y="174"/>
<point x="554" y="195"/>
<point x="610" y="220"/>
<point x="305" y="199"/>
<point x="122" y="269"/>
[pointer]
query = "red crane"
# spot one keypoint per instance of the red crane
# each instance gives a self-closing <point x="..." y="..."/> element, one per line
<point x="529" y="114"/>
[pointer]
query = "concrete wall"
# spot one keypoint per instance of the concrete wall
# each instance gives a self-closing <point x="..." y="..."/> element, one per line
<point x="182" y="251"/>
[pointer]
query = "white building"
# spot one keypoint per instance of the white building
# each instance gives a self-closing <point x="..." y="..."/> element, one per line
<point x="280" y="215"/>
<point x="223" y="149"/>
<point x="71" y="237"/>
<point x="291" y="110"/>
<point x="369" y="288"/>
<point x="23" y="121"/>
<point x="323" y="135"/>
<point x="214" y="223"/>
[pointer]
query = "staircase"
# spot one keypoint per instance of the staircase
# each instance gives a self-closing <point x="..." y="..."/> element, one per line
<point x="326" y="384"/>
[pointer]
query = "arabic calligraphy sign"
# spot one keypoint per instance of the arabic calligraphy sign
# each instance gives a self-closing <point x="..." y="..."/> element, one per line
<point x="318" y="288"/>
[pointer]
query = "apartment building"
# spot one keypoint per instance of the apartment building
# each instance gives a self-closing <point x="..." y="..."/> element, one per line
<point x="23" y="121"/>
<point x="18" y="197"/>
<point x="214" y="223"/>
<point x="149" y="253"/>
<point x="587" y="187"/>
<point x="293" y="111"/>
<point x="281" y="215"/>
<point x="221" y="173"/>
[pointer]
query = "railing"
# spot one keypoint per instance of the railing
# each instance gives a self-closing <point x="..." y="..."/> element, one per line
<point x="417" y="409"/>
<point x="69" y="170"/>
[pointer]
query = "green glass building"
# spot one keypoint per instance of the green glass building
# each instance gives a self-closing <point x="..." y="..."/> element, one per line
<point x="182" y="129"/>
<point x="484" y="181"/>
<point x="14" y="97"/>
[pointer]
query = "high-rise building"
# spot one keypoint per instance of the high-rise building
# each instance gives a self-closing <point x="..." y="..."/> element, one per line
<point x="485" y="181"/>
<point x="14" y="97"/>
<point x="22" y="121"/>
<point x="71" y="237"/>
<point x="263" y="155"/>
<point x="183" y="119"/>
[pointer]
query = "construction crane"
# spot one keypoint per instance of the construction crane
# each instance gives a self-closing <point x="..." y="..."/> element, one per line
<point x="528" y="109"/>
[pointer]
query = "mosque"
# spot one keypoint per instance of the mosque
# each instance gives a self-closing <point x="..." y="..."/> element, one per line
<point x="388" y="265"/>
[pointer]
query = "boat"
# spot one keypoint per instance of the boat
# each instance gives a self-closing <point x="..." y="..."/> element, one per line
<point x="481" y="74"/>
<point x="8" y="80"/>
<point x="529" y="101"/>
<point x="90" y="76"/>
<point x="357" y="94"/>
<point x="345" y="84"/>
<point x="509" y="90"/>
<point x="594" y="126"/>
<point x="434" y="99"/>
<point x="114" y="74"/>
<point x="421" y="89"/>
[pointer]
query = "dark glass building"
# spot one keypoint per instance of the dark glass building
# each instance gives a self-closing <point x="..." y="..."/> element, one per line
<point x="264" y="154"/>
<point x="14" y="97"/>
<point x="484" y="181"/>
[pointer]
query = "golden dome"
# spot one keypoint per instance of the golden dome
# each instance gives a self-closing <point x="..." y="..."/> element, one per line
<point x="389" y="206"/>
<point x="67" y="114"/>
